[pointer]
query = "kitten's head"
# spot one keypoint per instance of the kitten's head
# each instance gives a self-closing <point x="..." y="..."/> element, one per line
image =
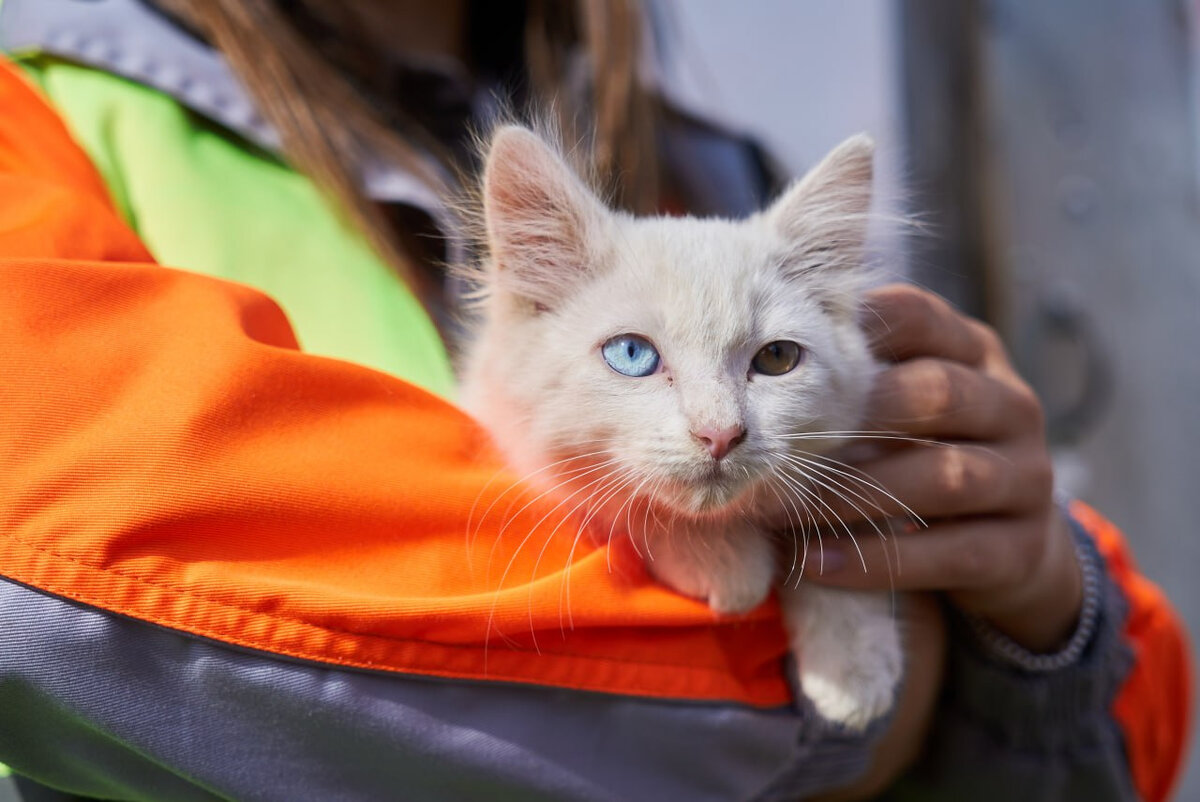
<point x="676" y="357"/>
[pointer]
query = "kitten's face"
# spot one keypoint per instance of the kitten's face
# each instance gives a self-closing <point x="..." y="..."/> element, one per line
<point x="676" y="359"/>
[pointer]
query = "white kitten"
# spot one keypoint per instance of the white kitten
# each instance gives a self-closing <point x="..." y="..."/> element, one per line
<point x="675" y="364"/>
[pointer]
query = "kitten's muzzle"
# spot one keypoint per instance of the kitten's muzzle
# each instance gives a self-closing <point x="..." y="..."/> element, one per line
<point x="719" y="442"/>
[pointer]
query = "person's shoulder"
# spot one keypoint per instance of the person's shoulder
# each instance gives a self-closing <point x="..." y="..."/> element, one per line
<point x="134" y="42"/>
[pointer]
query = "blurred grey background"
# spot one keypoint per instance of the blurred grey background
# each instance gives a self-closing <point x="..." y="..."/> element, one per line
<point x="1054" y="148"/>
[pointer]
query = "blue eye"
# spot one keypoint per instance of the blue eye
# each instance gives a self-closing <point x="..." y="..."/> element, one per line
<point x="630" y="355"/>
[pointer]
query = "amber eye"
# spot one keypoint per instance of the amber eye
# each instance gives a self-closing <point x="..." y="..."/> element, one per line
<point x="777" y="358"/>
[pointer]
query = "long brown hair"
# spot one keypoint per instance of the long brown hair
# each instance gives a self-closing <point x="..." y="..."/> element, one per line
<point x="327" y="127"/>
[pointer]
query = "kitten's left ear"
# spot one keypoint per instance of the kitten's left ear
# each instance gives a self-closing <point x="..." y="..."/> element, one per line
<point x="823" y="216"/>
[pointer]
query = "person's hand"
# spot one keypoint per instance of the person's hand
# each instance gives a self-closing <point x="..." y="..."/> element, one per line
<point x="993" y="540"/>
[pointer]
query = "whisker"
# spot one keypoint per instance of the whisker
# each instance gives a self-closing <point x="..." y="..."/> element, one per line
<point x="516" y="553"/>
<point x="791" y="523"/>
<point x="582" y="529"/>
<point x="549" y="538"/>
<point x="519" y="482"/>
<point x="866" y="480"/>
<point x="604" y="482"/>
<point x="802" y="493"/>
<point x="628" y="523"/>
<point x="509" y="519"/>
<point x="817" y="498"/>
<point x="612" y="524"/>
<point x="863" y="435"/>
<point x="471" y="517"/>
<point x="870" y="521"/>
<point x="838" y="489"/>
<point x="646" y="519"/>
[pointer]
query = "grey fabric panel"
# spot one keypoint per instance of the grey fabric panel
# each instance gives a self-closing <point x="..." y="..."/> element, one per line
<point x="8" y="790"/>
<point x="126" y="38"/>
<point x="105" y="706"/>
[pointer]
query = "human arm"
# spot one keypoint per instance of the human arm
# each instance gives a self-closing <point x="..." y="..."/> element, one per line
<point x="1001" y="550"/>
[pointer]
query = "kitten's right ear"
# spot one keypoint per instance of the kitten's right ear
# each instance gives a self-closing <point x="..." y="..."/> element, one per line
<point x="823" y="216"/>
<point x="540" y="218"/>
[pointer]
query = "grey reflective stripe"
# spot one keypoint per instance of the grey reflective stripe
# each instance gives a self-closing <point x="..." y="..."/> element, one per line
<point x="107" y="706"/>
<point x="125" y="38"/>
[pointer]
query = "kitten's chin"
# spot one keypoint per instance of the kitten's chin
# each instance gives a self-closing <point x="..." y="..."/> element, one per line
<point x="713" y="497"/>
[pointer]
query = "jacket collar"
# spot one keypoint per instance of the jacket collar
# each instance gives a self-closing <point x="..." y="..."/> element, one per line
<point x="130" y="39"/>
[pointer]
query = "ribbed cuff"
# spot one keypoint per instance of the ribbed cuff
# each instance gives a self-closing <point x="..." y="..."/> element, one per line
<point x="1043" y="709"/>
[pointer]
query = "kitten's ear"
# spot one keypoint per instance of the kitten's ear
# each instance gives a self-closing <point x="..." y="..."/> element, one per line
<point x="541" y="219"/>
<point x="823" y="216"/>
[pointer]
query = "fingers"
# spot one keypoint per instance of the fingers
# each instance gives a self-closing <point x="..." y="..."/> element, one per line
<point x="903" y="321"/>
<point x="931" y="482"/>
<point x="981" y="481"/>
<point x="945" y="399"/>
<point x="972" y="557"/>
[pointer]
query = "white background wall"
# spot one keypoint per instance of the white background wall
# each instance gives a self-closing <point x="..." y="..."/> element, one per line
<point x="800" y="76"/>
<point x="804" y="75"/>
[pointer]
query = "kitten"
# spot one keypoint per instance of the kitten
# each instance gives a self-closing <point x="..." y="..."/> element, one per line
<point x="688" y="358"/>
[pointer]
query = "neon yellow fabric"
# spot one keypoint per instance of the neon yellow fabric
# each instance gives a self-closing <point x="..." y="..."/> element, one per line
<point x="204" y="200"/>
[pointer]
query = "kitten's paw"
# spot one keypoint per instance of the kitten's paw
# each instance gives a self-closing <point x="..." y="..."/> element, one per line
<point x="682" y="576"/>
<point x="850" y="658"/>
<point x="745" y="580"/>
<point x="733" y="571"/>
<point x="730" y="592"/>
<point x="734" y="597"/>
<point x="862" y="693"/>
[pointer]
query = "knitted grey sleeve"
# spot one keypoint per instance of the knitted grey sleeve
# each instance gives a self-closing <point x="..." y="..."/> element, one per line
<point x="1004" y="733"/>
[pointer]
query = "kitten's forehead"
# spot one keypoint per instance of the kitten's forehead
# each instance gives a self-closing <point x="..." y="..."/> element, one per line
<point x="713" y="282"/>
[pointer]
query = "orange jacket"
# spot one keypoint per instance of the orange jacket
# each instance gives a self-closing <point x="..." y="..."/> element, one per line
<point x="166" y="453"/>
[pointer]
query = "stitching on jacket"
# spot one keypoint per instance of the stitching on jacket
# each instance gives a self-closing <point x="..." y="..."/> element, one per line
<point x="301" y="621"/>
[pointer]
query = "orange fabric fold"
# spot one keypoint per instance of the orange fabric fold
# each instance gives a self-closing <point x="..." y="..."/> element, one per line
<point x="1154" y="705"/>
<point x="167" y="453"/>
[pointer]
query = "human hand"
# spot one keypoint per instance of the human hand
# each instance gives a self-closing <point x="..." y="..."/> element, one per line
<point x="994" y="540"/>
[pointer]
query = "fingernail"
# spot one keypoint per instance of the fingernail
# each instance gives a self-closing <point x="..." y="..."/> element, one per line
<point x="831" y="560"/>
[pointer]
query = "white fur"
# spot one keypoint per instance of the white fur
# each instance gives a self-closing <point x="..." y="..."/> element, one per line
<point x="565" y="275"/>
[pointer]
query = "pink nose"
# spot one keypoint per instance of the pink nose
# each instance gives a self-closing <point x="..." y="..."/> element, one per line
<point x="719" y="442"/>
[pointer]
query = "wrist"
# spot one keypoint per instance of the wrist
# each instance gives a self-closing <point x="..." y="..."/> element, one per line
<point x="1070" y="650"/>
<point x="1041" y="614"/>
